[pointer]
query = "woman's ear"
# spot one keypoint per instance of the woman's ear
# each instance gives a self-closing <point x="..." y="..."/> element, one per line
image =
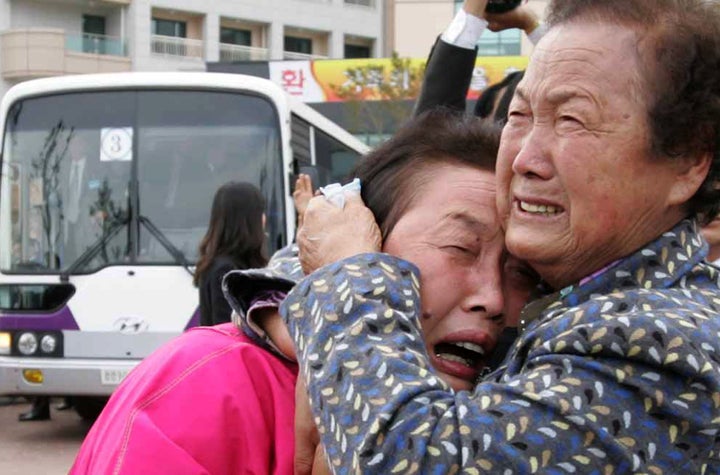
<point x="692" y="172"/>
<point x="264" y="220"/>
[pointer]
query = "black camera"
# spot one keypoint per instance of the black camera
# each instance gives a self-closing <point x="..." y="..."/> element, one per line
<point x="502" y="6"/>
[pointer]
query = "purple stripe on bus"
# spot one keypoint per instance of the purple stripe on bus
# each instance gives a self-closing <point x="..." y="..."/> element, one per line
<point x="194" y="320"/>
<point x="61" y="320"/>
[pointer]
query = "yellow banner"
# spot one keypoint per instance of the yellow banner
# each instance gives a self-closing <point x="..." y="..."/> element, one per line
<point x="336" y="80"/>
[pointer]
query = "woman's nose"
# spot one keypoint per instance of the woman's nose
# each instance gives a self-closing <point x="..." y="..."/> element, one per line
<point x="533" y="158"/>
<point x="484" y="295"/>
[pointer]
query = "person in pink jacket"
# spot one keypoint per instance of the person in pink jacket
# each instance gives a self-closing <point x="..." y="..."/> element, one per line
<point x="220" y="400"/>
<point x="209" y="402"/>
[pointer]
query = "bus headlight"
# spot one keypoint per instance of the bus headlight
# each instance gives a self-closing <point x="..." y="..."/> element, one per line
<point x="27" y="343"/>
<point x="5" y="343"/>
<point x="48" y="343"/>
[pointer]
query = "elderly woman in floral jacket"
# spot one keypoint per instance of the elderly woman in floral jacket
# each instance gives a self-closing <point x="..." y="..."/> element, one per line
<point x="610" y="157"/>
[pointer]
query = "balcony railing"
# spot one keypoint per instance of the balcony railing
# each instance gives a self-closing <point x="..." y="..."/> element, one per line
<point x="364" y="3"/>
<point x="174" y="46"/>
<point x="95" y="44"/>
<point x="230" y="53"/>
<point x="302" y="56"/>
<point x="41" y="52"/>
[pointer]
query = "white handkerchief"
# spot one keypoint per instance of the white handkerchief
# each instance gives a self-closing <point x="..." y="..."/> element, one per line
<point x="335" y="192"/>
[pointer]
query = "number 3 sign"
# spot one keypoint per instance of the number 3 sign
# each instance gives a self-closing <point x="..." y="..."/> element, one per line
<point x="116" y="144"/>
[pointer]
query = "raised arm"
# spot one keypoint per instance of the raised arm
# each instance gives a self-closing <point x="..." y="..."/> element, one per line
<point x="450" y="65"/>
<point x="452" y="59"/>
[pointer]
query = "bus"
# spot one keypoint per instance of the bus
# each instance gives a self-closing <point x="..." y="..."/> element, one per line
<point x="106" y="187"/>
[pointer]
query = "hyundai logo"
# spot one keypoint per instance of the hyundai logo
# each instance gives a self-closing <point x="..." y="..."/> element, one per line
<point x="130" y="325"/>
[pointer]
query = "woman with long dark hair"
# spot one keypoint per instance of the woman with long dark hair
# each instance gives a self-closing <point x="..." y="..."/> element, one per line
<point x="235" y="239"/>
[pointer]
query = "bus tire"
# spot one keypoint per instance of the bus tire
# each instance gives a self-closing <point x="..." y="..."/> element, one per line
<point x="89" y="407"/>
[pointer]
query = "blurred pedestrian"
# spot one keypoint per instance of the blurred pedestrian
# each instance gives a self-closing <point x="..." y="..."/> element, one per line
<point x="40" y="410"/>
<point x="235" y="239"/>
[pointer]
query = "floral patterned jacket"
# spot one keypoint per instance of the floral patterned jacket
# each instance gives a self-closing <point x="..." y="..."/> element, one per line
<point x="618" y="374"/>
<point x="250" y="289"/>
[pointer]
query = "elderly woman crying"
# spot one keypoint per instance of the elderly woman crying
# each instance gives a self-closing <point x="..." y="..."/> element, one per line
<point x="609" y="159"/>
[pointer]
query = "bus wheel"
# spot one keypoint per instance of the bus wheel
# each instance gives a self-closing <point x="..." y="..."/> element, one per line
<point x="89" y="407"/>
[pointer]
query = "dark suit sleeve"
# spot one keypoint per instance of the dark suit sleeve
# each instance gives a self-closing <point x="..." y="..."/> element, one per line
<point x="220" y="310"/>
<point x="447" y="77"/>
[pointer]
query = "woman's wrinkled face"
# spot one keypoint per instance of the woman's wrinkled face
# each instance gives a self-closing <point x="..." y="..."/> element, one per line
<point x="578" y="187"/>
<point x="451" y="233"/>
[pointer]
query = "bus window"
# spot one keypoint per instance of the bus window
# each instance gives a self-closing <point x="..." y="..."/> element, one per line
<point x="66" y="197"/>
<point x="76" y="156"/>
<point x="301" y="143"/>
<point x="191" y="143"/>
<point x="333" y="159"/>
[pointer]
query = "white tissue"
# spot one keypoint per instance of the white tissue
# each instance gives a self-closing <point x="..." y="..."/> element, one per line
<point x="335" y="192"/>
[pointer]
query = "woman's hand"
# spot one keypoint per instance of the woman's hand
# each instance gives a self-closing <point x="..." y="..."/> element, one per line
<point x="330" y="233"/>
<point x="302" y="195"/>
<point x="270" y="321"/>
<point x="522" y="17"/>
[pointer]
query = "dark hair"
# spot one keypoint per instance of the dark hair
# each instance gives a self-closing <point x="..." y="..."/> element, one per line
<point x="485" y="106"/>
<point x="235" y="229"/>
<point x="390" y="175"/>
<point x="679" y="58"/>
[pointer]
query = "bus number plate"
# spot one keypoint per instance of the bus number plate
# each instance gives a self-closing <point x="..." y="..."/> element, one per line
<point x="113" y="376"/>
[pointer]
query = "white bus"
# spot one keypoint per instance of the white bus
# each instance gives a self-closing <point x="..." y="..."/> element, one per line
<point x="107" y="182"/>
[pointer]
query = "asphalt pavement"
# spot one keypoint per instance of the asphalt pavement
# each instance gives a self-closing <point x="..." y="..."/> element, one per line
<point x="38" y="447"/>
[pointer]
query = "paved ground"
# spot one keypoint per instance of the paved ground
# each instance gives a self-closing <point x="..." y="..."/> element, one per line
<point x="38" y="447"/>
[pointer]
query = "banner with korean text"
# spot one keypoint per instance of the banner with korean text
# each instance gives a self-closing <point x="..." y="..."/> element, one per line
<point x="329" y="80"/>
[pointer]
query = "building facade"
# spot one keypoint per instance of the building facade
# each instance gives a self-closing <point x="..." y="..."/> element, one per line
<point x="41" y="38"/>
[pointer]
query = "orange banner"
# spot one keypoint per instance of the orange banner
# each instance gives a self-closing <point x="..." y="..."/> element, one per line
<point x="377" y="78"/>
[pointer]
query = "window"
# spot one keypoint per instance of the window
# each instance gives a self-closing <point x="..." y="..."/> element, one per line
<point x="357" y="51"/>
<point x="333" y="159"/>
<point x="93" y="24"/>
<point x="502" y="43"/>
<point x="74" y="193"/>
<point x="93" y="32"/>
<point x="298" y="45"/>
<point x="174" y="28"/>
<point x="234" y="36"/>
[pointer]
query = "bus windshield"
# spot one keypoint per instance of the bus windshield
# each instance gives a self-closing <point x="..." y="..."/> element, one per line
<point x="93" y="179"/>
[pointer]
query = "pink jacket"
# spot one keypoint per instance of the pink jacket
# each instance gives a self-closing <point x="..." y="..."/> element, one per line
<point x="208" y="402"/>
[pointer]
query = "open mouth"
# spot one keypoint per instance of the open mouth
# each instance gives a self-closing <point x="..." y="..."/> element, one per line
<point x="540" y="209"/>
<point x="466" y="353"/>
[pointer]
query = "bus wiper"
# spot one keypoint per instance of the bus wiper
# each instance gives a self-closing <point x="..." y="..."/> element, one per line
<point x="176" y="253"/>
<point x="93" y="250"/>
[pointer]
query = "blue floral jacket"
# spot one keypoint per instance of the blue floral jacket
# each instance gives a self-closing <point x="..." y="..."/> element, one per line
<point x="620" y="374"/>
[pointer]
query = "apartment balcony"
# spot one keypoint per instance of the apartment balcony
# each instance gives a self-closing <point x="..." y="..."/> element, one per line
<point x="230" y="53"/>
<point x="40" y="52"/>
<point x="95" y="44"/>
<point x="174" y="46"/>
<point x="290" y="55"/>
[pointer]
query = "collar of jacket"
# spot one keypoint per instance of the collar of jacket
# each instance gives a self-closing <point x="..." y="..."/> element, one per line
<point x="659" y="264"/>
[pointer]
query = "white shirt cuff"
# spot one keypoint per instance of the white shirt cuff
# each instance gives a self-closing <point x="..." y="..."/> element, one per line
<point x="465" y="30"/>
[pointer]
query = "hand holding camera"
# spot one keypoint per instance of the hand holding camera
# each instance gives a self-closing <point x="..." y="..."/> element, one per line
<point x="503" y="14"/>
